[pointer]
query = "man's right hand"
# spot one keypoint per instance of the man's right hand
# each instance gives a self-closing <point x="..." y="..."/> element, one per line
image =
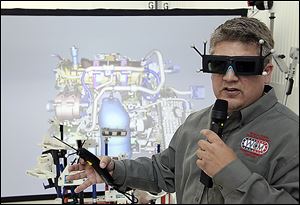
<point x="87" y="171"/>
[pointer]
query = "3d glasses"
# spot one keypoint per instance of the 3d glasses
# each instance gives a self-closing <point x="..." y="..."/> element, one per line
<point x="242" y="65"/>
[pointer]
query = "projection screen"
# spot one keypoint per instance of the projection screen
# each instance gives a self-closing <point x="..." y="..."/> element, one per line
<point x="94" y="71"/>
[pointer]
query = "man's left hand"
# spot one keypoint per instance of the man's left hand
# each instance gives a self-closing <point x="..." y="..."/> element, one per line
<point x="213" y="154"/>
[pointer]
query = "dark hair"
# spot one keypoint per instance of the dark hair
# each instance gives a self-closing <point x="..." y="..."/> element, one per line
<point x="246" y="30"/>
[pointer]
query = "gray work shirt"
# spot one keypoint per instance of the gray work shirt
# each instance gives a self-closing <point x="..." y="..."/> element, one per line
<point x="265" y="138"/>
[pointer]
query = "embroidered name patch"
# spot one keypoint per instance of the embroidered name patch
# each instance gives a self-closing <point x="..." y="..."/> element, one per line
<point x="254" y="144"/>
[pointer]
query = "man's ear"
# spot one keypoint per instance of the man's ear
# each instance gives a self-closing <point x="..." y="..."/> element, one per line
<point x="267" y="73"/>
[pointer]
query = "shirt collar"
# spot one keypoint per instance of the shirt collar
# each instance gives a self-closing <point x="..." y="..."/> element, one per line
<point x="263" y="104"/>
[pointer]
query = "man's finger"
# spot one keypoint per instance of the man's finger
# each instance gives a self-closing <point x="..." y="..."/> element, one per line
<point x="210" y="135"/>
<point x="76" y="176"/>
<point x="203" y="144"/>
<point x="106" y="162"/>
<point x="83" y="186"/>
<point x="74" y="167"/>
<point x="200" y="163"/>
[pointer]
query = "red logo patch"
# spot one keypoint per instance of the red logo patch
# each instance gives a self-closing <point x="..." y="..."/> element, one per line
<point x="254" y="145"/>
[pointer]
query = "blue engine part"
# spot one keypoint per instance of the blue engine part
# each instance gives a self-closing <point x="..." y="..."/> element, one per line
<point x="113" y="116"/>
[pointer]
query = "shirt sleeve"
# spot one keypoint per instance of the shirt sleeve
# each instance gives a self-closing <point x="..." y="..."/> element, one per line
<point x="150" y="174"/>
<point x="239" y="185"/>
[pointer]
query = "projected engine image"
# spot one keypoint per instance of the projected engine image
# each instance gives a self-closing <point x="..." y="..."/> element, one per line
<point x="114" y="106"/>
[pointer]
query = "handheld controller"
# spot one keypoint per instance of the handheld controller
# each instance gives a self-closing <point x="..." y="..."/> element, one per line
<point x="94" y="161"/>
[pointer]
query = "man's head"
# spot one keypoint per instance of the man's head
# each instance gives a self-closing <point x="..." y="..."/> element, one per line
<point x="240" y="37"/>
<point x="246" y="30"/>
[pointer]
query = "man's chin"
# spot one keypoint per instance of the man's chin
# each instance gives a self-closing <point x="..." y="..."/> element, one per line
<point x="233" y="104"/>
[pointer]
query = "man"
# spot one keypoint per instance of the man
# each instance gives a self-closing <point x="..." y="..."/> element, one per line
<point x="256" y="160"/>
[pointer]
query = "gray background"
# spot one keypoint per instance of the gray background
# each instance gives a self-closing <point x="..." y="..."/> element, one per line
<point x="27" y="77"/>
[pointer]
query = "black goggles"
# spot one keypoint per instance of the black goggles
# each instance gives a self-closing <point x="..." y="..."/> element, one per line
<point x="242" y="65"/>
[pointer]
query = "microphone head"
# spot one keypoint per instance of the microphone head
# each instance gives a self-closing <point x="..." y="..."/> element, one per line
<point x="221" y="105"/>
<point x="219" y="110"/>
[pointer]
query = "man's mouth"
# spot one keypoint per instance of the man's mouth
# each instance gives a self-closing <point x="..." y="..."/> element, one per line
<point x="231" y="91"/>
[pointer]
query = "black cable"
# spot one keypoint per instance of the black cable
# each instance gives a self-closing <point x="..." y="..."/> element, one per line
<point x="133" y="199"/>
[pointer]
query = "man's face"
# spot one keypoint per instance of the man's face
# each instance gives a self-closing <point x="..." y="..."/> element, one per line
<point x="239" y="91"/>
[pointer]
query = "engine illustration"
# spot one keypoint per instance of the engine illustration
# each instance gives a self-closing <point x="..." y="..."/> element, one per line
<point x="115" y="106"/>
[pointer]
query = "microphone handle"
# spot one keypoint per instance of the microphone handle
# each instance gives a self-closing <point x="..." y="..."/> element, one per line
<point x="204" y="178"/>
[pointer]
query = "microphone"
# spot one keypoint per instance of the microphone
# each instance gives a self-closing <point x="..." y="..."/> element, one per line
<point x="218" y="118"/>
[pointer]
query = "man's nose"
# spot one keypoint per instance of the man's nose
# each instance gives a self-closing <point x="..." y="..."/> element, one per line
<point x="230" y="74"/>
